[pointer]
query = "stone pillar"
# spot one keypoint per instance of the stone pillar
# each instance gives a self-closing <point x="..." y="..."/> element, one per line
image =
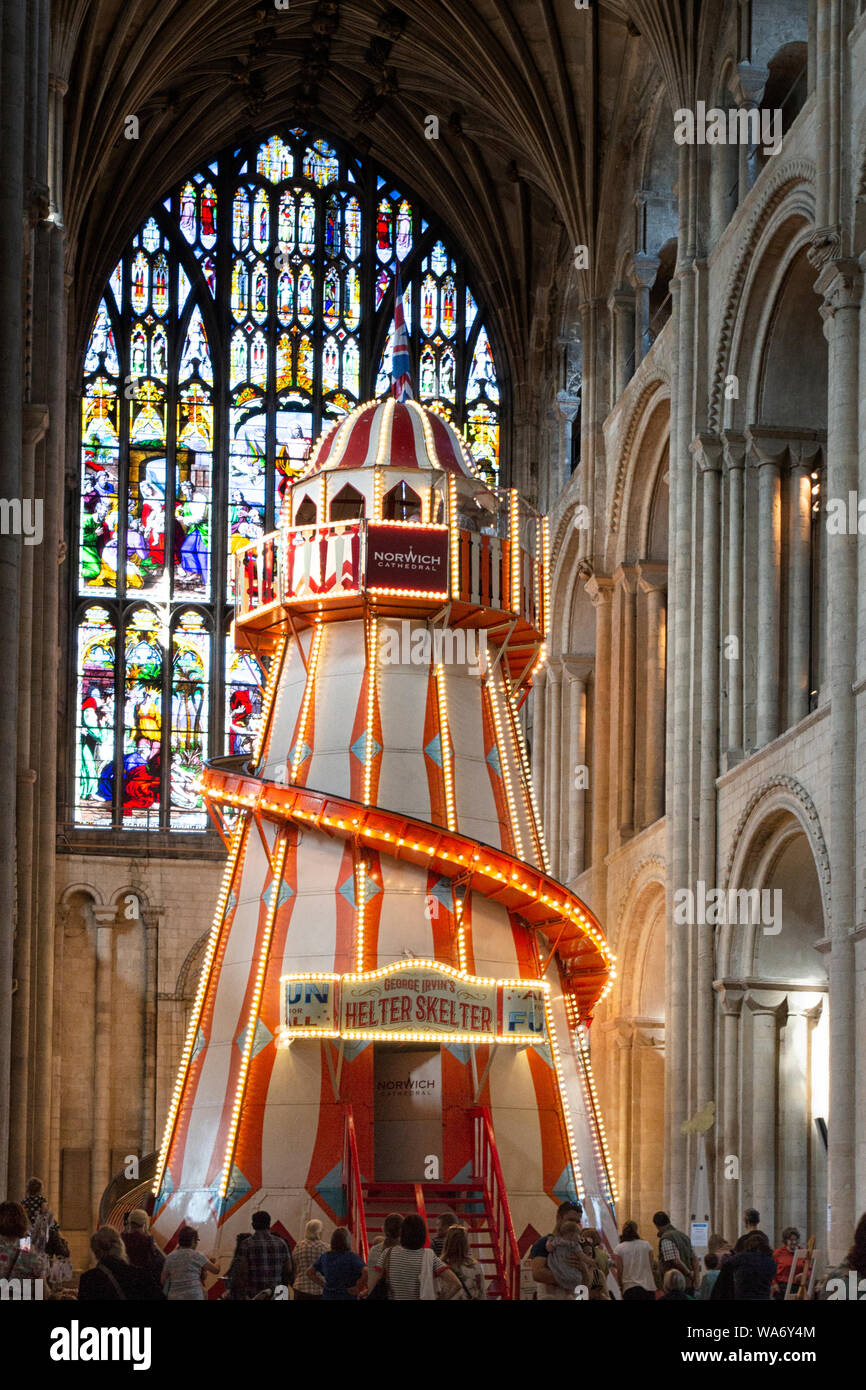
<point x="13" y="66"/>
<point x="554" y="762"/>
<point x="752" y="81"/>
<point x="840" y="284"/>
<point x="567" y="407"/>
<point x="35" y="425"/>
<point x="799" y="585"/>
<point x="707" y="450"/>
<point x="575" y="676"/>
<point x="768" y="463"/>
<point x="653" y="582"/>
<point x="623" y="736"/>
<point x="644" y="270"/>
<point x="105" y="920"/>
<point x="759" y="1188"/>
<point x="600" y="592"/>
<point x="728" y="1140"/>
<point x="539" y="745"/>
<point x="735" y="458"/>
<point x="795" y="1110"/>
<point x="622" y="313"/>
<point x="625" y="1032"/>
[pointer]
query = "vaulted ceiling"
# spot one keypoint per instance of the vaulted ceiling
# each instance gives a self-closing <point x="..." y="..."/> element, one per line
<point x="539" y="105"/>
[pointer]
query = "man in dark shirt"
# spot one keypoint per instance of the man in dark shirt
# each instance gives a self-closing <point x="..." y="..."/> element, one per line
<point x="675" y="1250"/>
<point x="752" y="1221"/>
<point x="264" y="1260"/>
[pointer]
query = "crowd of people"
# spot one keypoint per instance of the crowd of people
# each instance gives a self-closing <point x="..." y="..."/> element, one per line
<point x="572" y="1262"/>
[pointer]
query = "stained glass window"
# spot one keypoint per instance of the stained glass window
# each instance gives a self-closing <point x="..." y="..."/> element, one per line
<point x="253" y="306"/>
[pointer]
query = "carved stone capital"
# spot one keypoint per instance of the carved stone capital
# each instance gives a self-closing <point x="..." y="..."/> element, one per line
<point x="840" y="285"/>
<point x="652" y="576"/>
<point x="644" y="270"/>
<point x="730" y="998"/>
<point x="566" y="406"/>
<point x="751" y="83"/>
<point x="767" y="1002"/>
<point x="706" y="449"/>
<point x="599" y="590"/>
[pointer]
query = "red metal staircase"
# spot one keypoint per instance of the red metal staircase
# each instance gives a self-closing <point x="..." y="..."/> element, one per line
<point x="480" y="1204"/>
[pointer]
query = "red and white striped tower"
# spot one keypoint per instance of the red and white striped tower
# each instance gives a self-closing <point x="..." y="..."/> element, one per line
<point x="387" y="880"/>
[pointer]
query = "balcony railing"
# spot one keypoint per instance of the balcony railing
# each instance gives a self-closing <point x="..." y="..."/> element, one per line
<point x="305" y="565"/>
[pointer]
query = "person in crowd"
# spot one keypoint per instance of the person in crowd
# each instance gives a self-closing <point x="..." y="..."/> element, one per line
<point x="340" y="1271"/>
<point x="306" y="1253"/>
<point x="718" y="1245"/>
<point x="455" y="1254"/>
<point x="541" y="1273"/>
<point x="443" y="1226"/>
<point x="183" y="1269"/>
<point x="784" y="1258"/>
<point x="45" y="1237"/>
<point x="568" y="1259"/>
<point x="234" y="1290"/>
<point x="16" y="1263"/>
<point x="142" y="1250"/>
<point x="675" y="1250"/>
<point x="113" y="1277"/>
<point x="839" y="1284"/>
<point x="751" y="1270"/>
<point x="633" y="1264"/>
<point x="711" y="1265"/>
<point x="675" y="1287"/>
<point x="752" y="1223"/>
<point x="412" y="1270"/>
<point x="265" y="1262"/>
<point x="391" y="1228"/>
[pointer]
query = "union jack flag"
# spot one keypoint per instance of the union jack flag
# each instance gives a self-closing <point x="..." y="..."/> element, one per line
<point x="401" y="379"/>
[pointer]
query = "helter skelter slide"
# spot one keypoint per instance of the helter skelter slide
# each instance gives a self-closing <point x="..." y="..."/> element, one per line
<point x="394" y="1004"/>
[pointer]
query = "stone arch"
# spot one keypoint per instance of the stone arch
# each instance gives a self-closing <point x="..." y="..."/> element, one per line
<point x="795" y="175"/>
<point x="654" y="391"/>
<point x="646" y="463"/>
<point x="779" y="257"/>
<point x="188" y="975"/>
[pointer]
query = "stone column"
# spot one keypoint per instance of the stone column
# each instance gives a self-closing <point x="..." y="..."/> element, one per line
<point x="13" y="66"/>
<point x="35" y="425"/>
<point x="554" y="761"/>
<point x="600" y="592"/>
<point x="768" y="462"/>
<point x="575" y="676"/>
<point x="623" y="737"/>
<point x="105" y="920"/>
<point x="625" y="1033"/>
<point x="539" y="746"/>
<point x="768" y="1011"/>
<point x="840" y="284"/>
<point x="799" y="584"/>
<point x="622" y="313"/>
<point x="794" y="1110"/>
<point x="735" y="458"/>
<point x="728" y="1139"/>
<point x="653" y="583"/>
<point x="567" y="407"/>
<point x="707" y="451"/>
<point x="644" y="270"/>
<point x="752" y="81"/>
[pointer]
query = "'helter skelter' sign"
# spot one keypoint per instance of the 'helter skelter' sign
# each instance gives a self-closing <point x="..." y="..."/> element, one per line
<point x="421" y="1000"/>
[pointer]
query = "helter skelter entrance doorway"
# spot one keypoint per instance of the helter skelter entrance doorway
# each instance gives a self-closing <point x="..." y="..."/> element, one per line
<point x="407" y="1113"/>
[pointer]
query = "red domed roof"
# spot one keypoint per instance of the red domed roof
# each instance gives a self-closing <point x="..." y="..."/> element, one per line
<point x="394" y="434"/>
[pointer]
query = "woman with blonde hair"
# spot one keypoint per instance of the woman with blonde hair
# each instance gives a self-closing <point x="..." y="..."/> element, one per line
<point x="455" y="1254"/>
<point x="306" y="1253"/>
<point x="113" y="1277"/>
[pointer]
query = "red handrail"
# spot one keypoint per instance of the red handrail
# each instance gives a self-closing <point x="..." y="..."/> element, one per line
<point x="352" y="1182"/>
<point x="488" y="1170"/>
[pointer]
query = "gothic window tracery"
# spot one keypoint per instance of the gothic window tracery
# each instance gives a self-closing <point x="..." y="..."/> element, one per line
<point x="252" y="308"/>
